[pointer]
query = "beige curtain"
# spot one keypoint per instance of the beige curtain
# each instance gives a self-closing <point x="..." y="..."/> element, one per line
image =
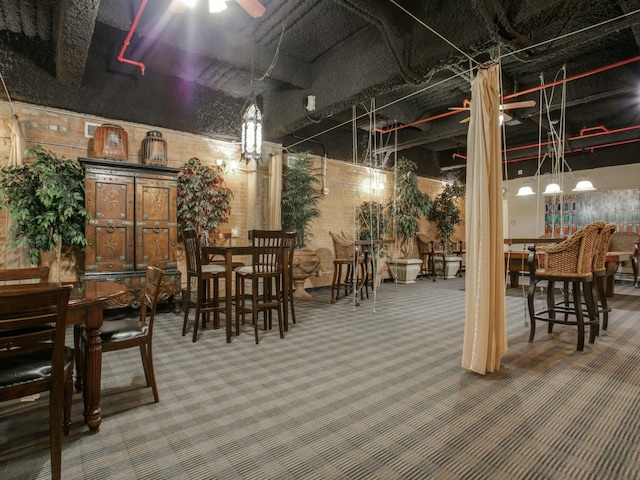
<point x="485" y="340"/>
<point x="275" y="192"/>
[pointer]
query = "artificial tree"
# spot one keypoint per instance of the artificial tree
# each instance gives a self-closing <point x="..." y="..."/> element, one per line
<point x="45" y="198"/>
<point x="204" y="201"/>
<point x="445" y="213"/>
<point x="300" y="197"/>
<point x="407" y="205"/>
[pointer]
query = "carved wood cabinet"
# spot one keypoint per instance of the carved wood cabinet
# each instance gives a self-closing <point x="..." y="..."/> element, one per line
<point x="133" y="224"/>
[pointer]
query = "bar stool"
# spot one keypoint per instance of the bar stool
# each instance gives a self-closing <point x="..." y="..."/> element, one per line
<point x="569" y="261"/>
<point x="202" y="274"/>
<point x="346" y="255"/>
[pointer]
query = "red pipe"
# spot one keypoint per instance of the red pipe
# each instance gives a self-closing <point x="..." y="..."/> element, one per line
<point x="128" y="39"/>
<point x="600" y="130"/>
<point x="517" y="94"/>
<point x="574" y="77"/>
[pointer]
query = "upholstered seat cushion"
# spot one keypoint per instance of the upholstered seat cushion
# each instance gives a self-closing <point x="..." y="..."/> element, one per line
<point x="213" y="268"/>
<point x="118" y="330"/>
<point x="248" y="269"/>
<point x="29" y="367"/>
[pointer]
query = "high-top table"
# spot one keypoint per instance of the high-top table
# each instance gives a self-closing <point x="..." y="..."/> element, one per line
<point x="228" y="252"/>
<point x="85" y="308"/>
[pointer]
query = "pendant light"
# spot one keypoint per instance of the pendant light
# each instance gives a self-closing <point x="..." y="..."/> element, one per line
<point x="251" y="135"/>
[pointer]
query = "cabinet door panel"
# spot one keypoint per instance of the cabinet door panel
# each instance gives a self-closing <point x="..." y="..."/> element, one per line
<point x="156" y="228"/>
<point x="109" y="200"/>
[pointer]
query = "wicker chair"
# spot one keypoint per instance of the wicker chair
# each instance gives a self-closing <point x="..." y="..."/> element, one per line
<point x="600" y="271"/>
<point x="569" y="261"/>
<point x="627" y="242"/>
<point x="345" y="255"/>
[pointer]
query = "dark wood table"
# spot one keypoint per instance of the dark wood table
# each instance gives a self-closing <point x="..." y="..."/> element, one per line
<point x="228" y="252"/>
<point x="86" y="305"/>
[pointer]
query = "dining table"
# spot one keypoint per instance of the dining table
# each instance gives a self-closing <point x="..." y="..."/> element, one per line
<point x="228" y="252"/>
<point x="85" y="310"/>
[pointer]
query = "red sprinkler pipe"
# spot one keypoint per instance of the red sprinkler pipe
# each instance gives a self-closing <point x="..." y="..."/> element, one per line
<point x="517" y="94"/>
<point x="127" y="40"/>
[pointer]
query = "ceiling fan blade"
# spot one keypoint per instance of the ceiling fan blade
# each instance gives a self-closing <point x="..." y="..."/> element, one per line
<point x="506" y="117"/>
<point x="460" y="109"/>
<point x="253" y="7"/>
<point x="523" y="104"/>
<point x="465" y="120"/>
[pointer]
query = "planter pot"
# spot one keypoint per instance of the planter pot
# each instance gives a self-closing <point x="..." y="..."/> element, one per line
<point x="452" y="266"/>
<point x="405" y="270"/>
<point x="304" y="263"/>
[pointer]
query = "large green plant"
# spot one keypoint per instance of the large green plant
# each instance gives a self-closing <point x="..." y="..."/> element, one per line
<point x="300" y="197"/>
<point x="204" y="201"/>
<point x="45" y="197"/>
<point x="408" y="204"/>
<point x="445" y="212"/>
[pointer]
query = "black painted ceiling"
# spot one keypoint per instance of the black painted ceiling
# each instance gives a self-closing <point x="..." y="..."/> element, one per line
<point x="376" y="61"/>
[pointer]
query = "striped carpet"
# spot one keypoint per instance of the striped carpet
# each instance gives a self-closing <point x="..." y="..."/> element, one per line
<point x="374" y="391"/>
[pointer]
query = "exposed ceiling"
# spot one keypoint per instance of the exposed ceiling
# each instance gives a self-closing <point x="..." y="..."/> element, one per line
<point x="378" y="61"/>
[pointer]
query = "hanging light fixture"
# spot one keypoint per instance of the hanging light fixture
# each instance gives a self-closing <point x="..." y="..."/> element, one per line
<point x="525" y="191"/>
<point x="552" y="189"/>
<point x="252" y="132"/>
<point x="216" y="6"/>
<point x="584" y="186"/>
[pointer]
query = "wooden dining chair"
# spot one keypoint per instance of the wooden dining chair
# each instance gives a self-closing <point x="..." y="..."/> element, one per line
<point x="427" y="251"/>
<point x="627" y="242"/>
<point x="136" y="332"/>
<point x="265" y="275"/>
<point x="347" y="278"/>
<point x="33" y="356"/>
<point x="203" y="280"/>
<point x="221" y="239"/>
<point x="12" y="276"/>
<point x="289" y="252"/>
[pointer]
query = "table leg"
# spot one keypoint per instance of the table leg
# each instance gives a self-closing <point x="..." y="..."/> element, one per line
<point x="513" y="279"/>
<point x="227" y="293"/>
<point x="93" y="368"/>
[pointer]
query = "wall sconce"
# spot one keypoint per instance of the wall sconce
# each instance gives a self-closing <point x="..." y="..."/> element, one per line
<point x="229" y="167"/>
<point x="374" y="182"/>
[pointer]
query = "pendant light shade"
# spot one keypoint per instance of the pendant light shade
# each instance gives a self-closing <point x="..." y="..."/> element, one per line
<point x="525" y="191"/>
<point x="252" y="132"/>
<point x="584" y="186"/>
<point x="552" y="189"/>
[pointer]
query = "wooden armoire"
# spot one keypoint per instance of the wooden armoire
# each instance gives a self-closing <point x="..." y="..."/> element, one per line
<point x="133" y="224"/>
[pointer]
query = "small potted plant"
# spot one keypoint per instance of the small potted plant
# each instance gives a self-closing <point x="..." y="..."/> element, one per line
<point x="45" y="198"/>
<point x="298" y="207"/>
<point x="204" y="201"/>
<point x="406" y="208"/>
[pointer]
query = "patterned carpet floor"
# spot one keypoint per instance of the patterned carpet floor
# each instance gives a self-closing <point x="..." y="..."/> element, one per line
<point x="373" y="391"/>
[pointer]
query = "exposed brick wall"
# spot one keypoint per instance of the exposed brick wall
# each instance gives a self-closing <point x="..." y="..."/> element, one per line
<point x="64" y="133"/>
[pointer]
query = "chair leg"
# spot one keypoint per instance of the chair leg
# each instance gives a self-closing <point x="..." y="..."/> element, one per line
<point x="199" y="294"/>
<point x="592" y="312"/>
<point x="602" y="300"/>
<point x="187" y="303"/>
<point x="147" y="365"/>
<point x="551" y="304"/>
<point x="67" y="401"/>
<point x="579" y="316"/>
<point x="531" y="292"/>
<point x="56" y="427"/>
<point x="254" y="306"/>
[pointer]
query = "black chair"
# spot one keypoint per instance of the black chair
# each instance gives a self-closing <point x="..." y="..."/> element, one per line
<point x="265" y="275"/>
<point x="33" y="356"/>
<point x="200" y="276"/>
<point x="130" y="333"/>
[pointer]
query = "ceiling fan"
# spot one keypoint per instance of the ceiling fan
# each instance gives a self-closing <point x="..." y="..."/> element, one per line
<point x="253" y="7"/>
<point x="466" y="106"/>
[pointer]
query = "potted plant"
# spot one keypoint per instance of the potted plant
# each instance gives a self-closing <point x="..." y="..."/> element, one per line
<point x="406" y="208"/>
<point x="373" y="225"/>
<point x="45" y="198"/>
<point x="204" y="201"/>
<point x="298" y="207"/>
<point x="445" y="214"/>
